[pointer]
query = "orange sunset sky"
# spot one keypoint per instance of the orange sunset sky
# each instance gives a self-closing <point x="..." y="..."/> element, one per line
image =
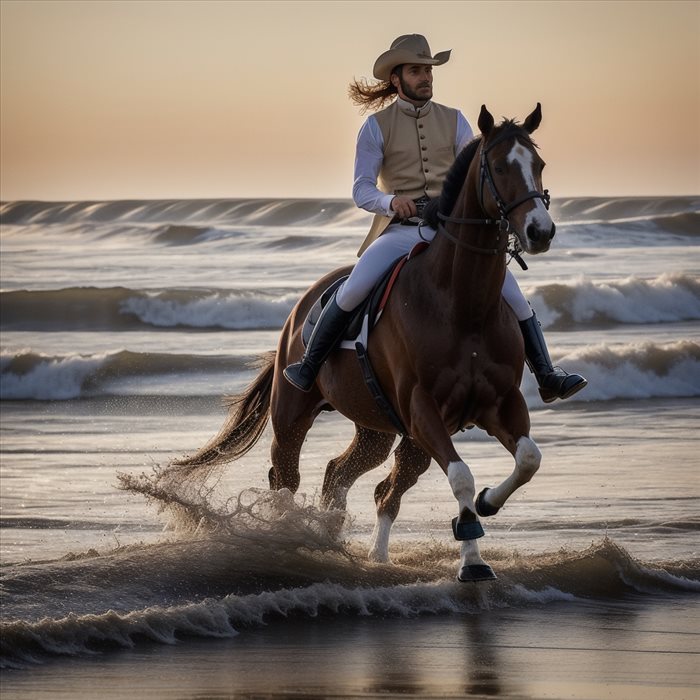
<point x="170" y="99"/>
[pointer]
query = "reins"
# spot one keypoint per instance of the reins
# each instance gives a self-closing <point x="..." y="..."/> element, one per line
<point x="500" y="247"/>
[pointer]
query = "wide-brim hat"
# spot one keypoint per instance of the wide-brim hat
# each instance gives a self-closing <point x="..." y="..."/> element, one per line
<point x="409" y="48"/>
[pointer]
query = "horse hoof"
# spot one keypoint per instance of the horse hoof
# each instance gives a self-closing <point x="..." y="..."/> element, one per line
<point x="467" y="530"/>
<point x="472" y="573"/>
<point x="482" y="507"/>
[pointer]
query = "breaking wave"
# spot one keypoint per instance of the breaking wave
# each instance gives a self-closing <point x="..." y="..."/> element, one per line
<point x="119" y="308"/>
<point x="638" y="370"/>
<point x="675" y="214"/>
<point x="633" y="300"/>
<point x="309" y="224"/>
<point x="208" y="212"/>
<point x="32" y="375"/>
<point x="274" y="556"/>
<point x="560" y="306"/>
<point x="627" y="371"/>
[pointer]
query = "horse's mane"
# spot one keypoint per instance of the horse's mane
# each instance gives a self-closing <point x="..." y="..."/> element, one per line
<point x="457" y="174"/>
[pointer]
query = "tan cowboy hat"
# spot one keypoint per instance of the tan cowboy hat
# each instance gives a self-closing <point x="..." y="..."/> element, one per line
<point x="409" y="48"/>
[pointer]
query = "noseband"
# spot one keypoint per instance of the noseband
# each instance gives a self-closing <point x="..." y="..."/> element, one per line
<point x="485" y="177"/>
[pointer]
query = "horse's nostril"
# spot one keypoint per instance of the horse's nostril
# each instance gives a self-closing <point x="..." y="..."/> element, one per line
<point x="533" y="233"/>
<point x="536" y="234"/>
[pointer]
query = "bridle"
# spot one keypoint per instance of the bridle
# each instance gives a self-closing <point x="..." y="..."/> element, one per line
<point x="503" y="223"/>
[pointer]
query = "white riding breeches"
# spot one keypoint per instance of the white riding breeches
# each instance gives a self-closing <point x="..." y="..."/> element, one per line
<point x="396" y="241"/>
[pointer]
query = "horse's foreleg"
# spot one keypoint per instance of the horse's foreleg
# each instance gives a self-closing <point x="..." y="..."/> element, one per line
<point x="467" y="527"/>
<point x="409" y="463"/>
<point x="430" y="432"/>
<point x="367" y="451"/>
<point x="512" y="430"/>
<point x="527" y="462"/>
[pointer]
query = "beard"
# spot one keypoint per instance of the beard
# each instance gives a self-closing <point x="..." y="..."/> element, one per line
<point x="412" y="94"/>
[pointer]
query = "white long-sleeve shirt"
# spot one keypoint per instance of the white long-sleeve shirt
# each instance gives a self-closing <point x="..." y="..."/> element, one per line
<point x="369" y="154"/>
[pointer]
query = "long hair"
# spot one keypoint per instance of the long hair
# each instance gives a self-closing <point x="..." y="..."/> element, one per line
<point x="371" y="96"/>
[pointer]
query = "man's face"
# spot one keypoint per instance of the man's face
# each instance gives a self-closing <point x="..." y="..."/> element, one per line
<point x="415" y="83"/>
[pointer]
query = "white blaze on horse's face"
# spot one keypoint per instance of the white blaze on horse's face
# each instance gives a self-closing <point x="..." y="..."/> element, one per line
<point x="537" y="228"/>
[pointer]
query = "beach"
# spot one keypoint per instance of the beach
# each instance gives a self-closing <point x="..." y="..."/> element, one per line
<point x="124" y="324"/>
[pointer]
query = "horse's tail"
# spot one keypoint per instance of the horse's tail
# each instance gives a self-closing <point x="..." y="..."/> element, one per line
<point x="248" y="415"/>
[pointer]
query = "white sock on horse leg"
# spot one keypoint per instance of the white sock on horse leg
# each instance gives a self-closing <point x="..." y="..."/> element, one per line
<point x="469" y="553"/>
<point x="515" y="298"/>
<point x="527" y="462"/>
<point x="527" y="458"/>
<point x="379" y="543"/>
<point x="462" y="484"/>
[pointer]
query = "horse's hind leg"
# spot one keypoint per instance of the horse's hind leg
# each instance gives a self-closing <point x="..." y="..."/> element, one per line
<point x="292" y="414"/>
<point x="409" y="463"/>
<point x="284" y="452"/>
<point x="368" y="450"/>
<point x="512" y="430"/>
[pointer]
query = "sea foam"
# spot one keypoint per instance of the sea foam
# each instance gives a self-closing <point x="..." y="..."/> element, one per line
<point x="560" y="306"/>
<point x="633" y="300"/>
<point x="622" y="371"/>
<point x="26" y="374"/>
<point x="220" y="585"/>
<point x="637" y="370"/>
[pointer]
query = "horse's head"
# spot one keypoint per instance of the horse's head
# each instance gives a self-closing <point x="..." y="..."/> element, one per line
<point x="510" y="180"/>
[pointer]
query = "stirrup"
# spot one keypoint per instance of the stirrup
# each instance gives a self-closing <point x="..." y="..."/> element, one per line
<point x="327" y="332"/>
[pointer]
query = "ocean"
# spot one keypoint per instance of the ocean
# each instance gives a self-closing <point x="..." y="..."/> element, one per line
<point x="126" y="323"/>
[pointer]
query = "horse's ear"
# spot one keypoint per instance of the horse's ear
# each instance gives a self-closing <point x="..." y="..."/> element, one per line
<point x="485" y="121"/>
<point x="533" y="120"/>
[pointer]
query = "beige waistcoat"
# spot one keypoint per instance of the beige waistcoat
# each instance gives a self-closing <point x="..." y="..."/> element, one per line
<point x="419" y="148"/>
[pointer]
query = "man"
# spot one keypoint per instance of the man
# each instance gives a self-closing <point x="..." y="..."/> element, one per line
<point x="403" y="154"/>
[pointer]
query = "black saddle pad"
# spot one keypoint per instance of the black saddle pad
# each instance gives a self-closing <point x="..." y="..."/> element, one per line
<point x="369" y="307"/>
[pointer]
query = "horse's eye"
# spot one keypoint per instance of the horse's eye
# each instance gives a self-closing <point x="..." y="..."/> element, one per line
<point x="499" y="169"/>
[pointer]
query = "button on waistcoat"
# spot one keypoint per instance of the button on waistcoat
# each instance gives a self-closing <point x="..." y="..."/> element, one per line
<point x="419" y="148"/>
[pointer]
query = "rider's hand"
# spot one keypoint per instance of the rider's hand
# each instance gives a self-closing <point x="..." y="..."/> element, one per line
<point x="405" y="207"/>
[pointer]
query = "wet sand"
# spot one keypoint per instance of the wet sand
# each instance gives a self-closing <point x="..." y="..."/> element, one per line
<point x="622" y="649"/>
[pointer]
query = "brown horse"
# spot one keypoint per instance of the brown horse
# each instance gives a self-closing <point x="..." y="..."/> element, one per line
<point x="447" y="352"/>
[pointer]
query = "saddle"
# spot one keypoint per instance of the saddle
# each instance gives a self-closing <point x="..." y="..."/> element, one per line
<point x="371" y="309"/>
<point x="364" y="318"/>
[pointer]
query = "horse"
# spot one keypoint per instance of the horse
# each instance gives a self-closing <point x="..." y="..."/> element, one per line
<point x="447" y="353"/>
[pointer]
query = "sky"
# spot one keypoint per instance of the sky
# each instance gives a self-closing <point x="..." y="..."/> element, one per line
<point x="140" y="99"/>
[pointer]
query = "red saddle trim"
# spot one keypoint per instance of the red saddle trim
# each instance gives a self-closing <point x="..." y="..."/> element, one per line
<point x="416" y="250"/>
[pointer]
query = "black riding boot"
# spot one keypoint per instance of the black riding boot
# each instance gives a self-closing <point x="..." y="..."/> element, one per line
<point x="554" y="382"/>
<point x="327" y="332"/>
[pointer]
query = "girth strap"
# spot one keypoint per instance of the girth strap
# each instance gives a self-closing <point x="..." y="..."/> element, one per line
<point x="376" y="390"/>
